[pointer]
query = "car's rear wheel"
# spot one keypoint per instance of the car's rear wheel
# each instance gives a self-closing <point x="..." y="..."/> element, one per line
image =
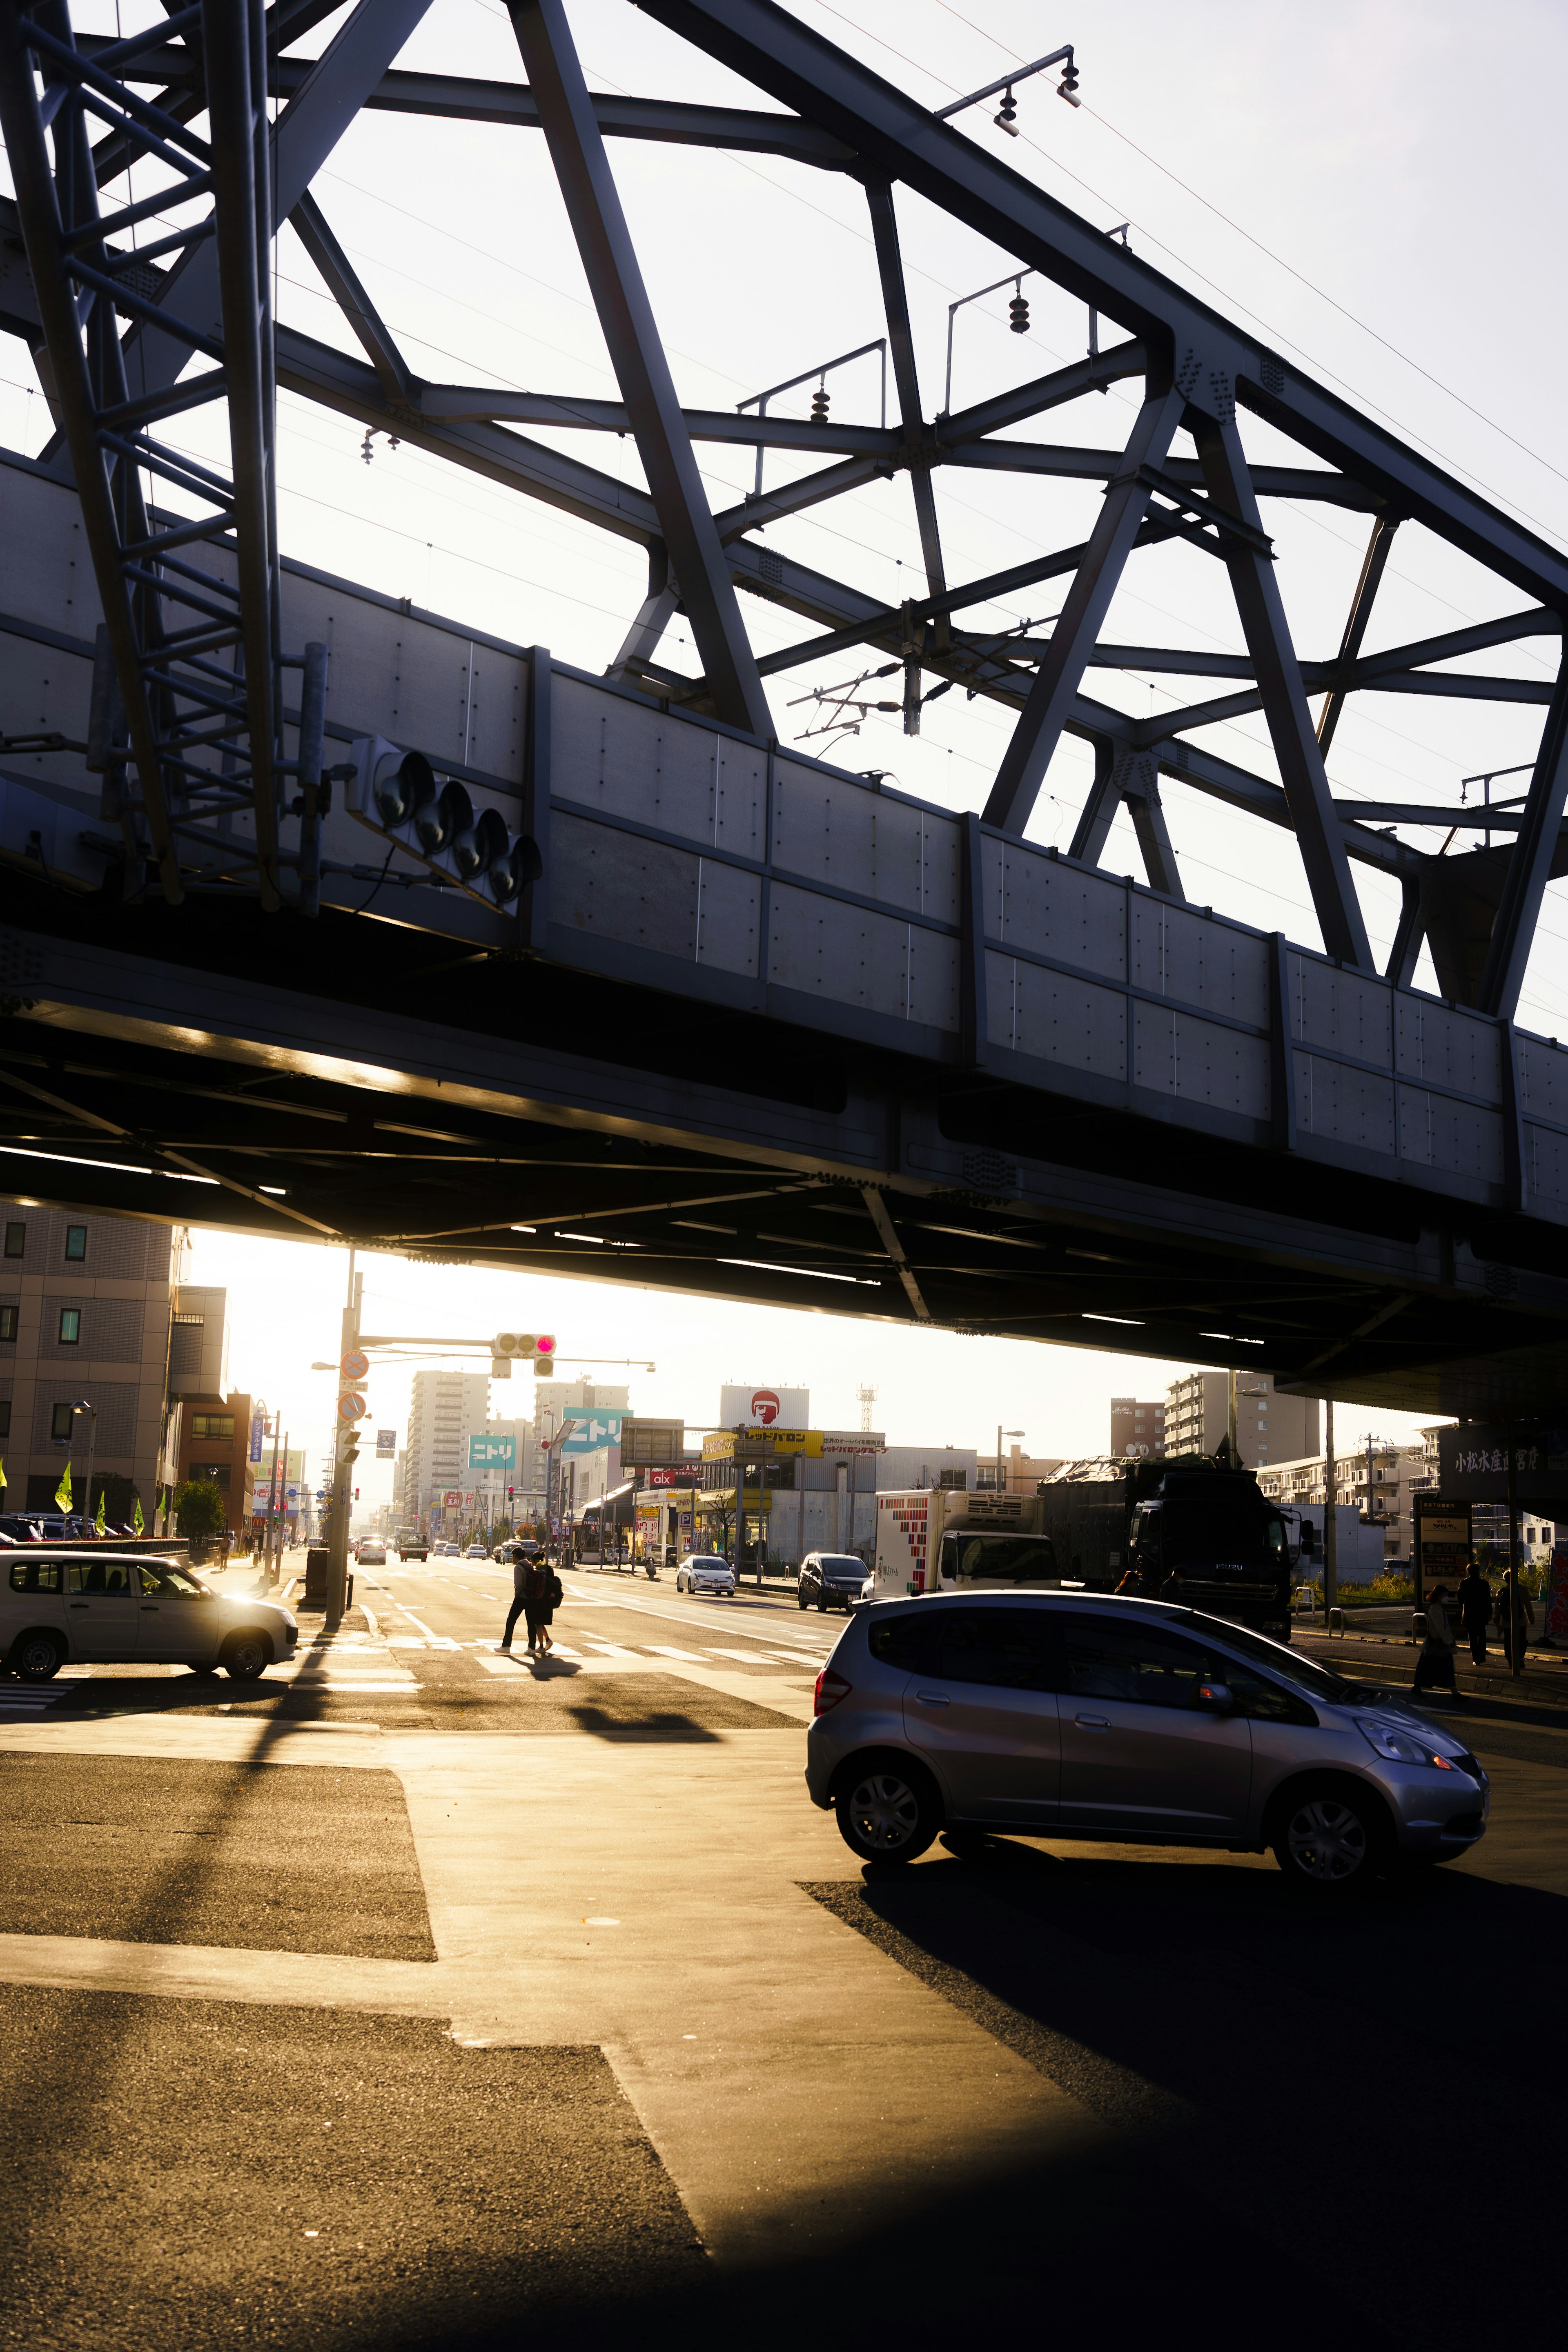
<point x="888" y="1812"/>
<point x="1330" y="1837"/>
<point x="247" y="1656"/>
<point x="36" y="1657"/>
<point x="822" y="1607"/>
<point x="804" y="1603"/>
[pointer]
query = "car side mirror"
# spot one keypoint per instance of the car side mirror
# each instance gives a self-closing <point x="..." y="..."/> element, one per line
<point x="1214" y="1698"/>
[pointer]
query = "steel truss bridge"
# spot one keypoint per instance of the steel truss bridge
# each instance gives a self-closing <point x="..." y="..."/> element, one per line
<point x="608" y="982"/>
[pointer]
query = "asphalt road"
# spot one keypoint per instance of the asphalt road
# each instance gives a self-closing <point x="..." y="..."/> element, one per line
<point x="448" y="2054"/>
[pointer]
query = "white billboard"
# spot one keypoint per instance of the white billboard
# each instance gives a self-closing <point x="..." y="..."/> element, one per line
<point x="763" y="1407"/>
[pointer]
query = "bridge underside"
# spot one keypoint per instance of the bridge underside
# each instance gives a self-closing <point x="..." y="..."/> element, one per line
<point x="331" y="919"/>
<point x="383" y="1087"/>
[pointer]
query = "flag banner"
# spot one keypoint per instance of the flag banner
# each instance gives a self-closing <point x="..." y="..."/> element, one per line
<point x="99" y="1521"/>
<point x="137" y="1521"/>
<point x="63" y="1491"/>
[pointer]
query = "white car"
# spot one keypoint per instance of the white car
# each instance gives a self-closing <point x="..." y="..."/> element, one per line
<point x="702" y="1571"/>
<point x="475" y="1551"/>
<point x="60" y="1607"/>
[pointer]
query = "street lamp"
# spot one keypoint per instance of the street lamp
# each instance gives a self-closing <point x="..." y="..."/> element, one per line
<point x="81" y="1405"/>
<point x="1001" y="1433"/>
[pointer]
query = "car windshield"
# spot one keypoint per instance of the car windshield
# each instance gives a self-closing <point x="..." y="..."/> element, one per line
<point x="722" y="1565"/>
<point x="834" y="1564"/>
<point x="1302" y="1673"/>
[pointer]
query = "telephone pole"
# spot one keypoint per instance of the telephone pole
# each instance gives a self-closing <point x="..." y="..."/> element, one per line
<point x="346" y="1454"/>
<point x="1331" y="1515"/>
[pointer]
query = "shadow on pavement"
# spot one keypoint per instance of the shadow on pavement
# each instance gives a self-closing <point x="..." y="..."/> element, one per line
<point x="1314" y="2075"/>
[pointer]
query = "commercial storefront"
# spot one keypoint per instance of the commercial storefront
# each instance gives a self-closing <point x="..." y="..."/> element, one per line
<point x="769" y="1497"/>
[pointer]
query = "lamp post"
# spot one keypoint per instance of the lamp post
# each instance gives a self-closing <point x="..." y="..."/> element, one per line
<point x="81" y="1405"/>
<point x="1001" y="1433"/>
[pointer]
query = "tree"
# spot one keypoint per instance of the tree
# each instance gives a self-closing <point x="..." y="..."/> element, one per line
<point x="199" y="1507"/>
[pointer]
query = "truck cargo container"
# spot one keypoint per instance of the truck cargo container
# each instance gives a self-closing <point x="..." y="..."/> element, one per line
<point x="1192" y="1530"/>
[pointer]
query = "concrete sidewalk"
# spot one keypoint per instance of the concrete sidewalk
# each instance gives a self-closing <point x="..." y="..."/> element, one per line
<point x="798" y="2085"/>
<point x="1392" y="1659"/>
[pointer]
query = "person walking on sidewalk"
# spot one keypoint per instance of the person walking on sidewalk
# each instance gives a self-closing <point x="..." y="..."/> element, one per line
<point x="1475" y="1600"/>
<point x="1435" y="1666"/>
<point x="1518" y="1619"/>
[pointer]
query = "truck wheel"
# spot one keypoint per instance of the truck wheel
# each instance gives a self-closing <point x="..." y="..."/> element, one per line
<point x="888" y="1812"/>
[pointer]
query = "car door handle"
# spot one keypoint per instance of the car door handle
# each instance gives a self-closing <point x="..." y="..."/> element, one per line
<point x="930" y="1698"/>
<point x="78" y="1604"/>
<point x="148" y="1609"/>
<point x="1093" y="1722"/>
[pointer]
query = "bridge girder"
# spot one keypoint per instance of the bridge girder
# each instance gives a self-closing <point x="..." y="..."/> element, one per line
<point x="1202" y="376"/>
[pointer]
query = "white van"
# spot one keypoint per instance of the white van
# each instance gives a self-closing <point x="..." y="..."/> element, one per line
<point x="64" y="1607"/>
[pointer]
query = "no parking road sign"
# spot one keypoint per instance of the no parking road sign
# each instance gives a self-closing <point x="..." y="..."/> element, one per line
<point x="351" y="1408"/>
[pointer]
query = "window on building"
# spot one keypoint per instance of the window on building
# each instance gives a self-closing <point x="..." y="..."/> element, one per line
<point x="15" y="1240"/>
<point x="191" y="1322"/>
<point x="8" y="1322"/>
<point x="70" y="1327"/>
<point x="76" y="1241"/>
<point x="60" y="1422"/>
<point x="5" y="1416"/>
<point x="212" y="1424"/>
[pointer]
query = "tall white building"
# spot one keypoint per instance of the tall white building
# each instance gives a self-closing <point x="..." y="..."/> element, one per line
<point x="1269" y="1427"/>
<point x="444" y="1409"/>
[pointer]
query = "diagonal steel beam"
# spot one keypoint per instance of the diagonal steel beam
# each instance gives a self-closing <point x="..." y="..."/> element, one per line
<point x="1530" y="866"/>
<point x="906" y="383"/>
<point x="897" y="136"/>
<point x="1258" y="602"/>
<point x="1379" y="547"/>
<point x="654" y="616"/>
<point x="1050" y="698"/>
<point x="626" y="315"/>
<point x="236" y="113"/>
<point x="876" y="1210"/>
<point x="303" y="136"/>
<point x="339" y="276"/>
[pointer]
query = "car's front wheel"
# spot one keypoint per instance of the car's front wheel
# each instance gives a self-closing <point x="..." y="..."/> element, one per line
<point x="888" y="1812"/>
<point x="247" y="1656"/>
<point x="1330" y="1837"/>
<point x="36" y="1657"/>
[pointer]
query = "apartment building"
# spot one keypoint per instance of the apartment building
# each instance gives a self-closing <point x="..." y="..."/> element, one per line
<point x="444" y="1410"/>
<point x="1137" y="1427"/>
<point x="1269" y="1428"/>
<point x="86" y="1318"/>
<point x="1379" y="1480"/>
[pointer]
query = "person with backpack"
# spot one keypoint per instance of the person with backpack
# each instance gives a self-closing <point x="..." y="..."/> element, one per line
<point x="536" y="1594"/>
<point x="541" y="1594"/>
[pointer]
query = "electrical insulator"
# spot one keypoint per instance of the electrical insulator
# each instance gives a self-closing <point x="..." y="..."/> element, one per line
<point x="1018" y="315"/>
<point x="1068" y="86"/>
<point x="819" y="405"/>
<point x="1005" y="113"/>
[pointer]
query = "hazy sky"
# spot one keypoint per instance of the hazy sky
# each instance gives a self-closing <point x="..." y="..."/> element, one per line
<point x="1374" y="189"/>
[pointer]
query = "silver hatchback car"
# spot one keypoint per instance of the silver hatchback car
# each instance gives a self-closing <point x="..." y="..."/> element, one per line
<point x="1066" y="1716"/>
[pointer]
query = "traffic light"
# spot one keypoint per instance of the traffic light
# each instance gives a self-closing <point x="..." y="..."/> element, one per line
<point x="539" y="1345"/>
<point x="398" y="794"/>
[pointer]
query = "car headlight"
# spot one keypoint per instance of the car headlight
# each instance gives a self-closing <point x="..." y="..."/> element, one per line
<point x="1402" y="1746"/>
